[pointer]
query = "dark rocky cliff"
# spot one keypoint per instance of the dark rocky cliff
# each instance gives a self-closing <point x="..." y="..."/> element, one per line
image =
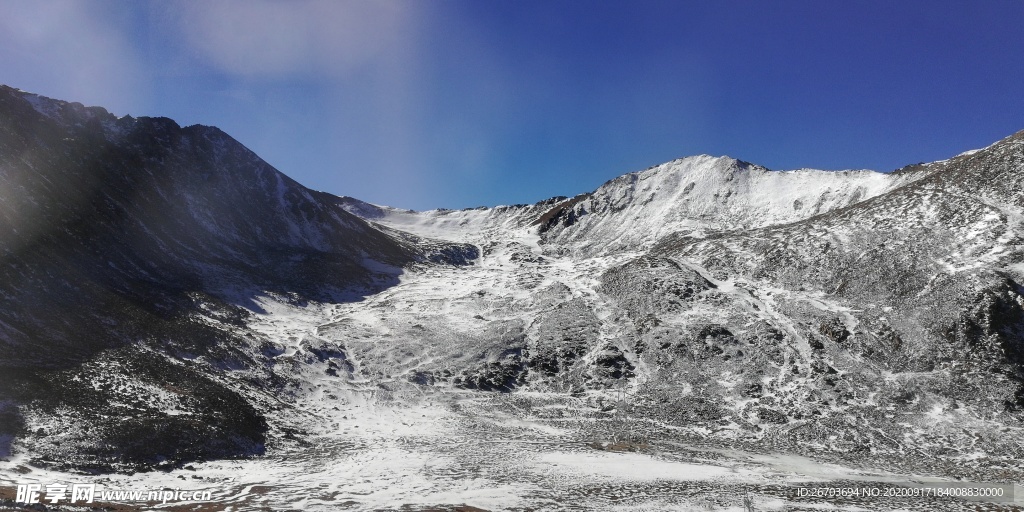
<point x="114" y="233"/>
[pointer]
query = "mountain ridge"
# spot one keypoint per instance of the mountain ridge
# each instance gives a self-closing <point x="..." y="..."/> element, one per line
<point x="216" y="309"/>
<point x="119" y="232"/>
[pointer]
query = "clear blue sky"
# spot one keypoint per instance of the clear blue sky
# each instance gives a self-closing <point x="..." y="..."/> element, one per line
<point x="425" y="103"/>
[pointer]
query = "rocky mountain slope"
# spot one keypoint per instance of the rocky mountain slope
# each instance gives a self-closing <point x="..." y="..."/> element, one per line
<point x="884" y="322"/>
<point x="693" y="317"/>
<point x="785" y="302"/>
<point x="116" y="233"/>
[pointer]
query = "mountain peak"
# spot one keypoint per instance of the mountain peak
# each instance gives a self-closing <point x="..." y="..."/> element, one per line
<point x="702" y="192"/>
<point x="167" y="296"/>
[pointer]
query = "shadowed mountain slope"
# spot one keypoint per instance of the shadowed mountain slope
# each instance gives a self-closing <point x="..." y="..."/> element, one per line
<point x="116" y="232"/>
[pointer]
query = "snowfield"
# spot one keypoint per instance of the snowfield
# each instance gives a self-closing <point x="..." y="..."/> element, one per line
<point x="706" y="334"/>
<point x="370" y="438"/>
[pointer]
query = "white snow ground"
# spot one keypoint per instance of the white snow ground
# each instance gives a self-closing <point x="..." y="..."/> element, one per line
<point x="378" y="442"/>
<point x="375" y="441"/>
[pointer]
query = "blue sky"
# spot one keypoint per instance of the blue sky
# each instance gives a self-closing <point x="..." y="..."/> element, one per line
<point x="424" y="103"/>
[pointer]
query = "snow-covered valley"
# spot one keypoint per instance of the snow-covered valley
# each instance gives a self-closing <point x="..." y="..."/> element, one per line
<point x="366" y="434"/>
<point x="706" y="334"/>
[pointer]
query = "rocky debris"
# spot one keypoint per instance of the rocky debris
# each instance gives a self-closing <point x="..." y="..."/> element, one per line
<point x="846" y="315"/>
<point x="152" y="241"/>
<point x="130" y="411"/>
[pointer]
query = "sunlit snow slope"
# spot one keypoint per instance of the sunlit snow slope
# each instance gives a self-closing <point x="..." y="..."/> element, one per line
<point x="692" y="195"/>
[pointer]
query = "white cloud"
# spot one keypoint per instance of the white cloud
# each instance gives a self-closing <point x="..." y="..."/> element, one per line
<point x="71" y="50"/>
<point x="279" y="39"/>
<point x="364" y="62"/>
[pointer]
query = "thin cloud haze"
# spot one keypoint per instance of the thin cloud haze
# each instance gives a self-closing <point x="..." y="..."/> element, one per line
<point x="456" y="104"/>
<point x="280" y="39"/>
<point x="71" y="50"/>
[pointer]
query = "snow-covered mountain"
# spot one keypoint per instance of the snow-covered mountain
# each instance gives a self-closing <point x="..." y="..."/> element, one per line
<point x="656" y="338"/>
<point x="694" y="195"/>
<point x="115" y="234"/>
<point x="704" y="194"/>
<point x="842" y="313"/>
